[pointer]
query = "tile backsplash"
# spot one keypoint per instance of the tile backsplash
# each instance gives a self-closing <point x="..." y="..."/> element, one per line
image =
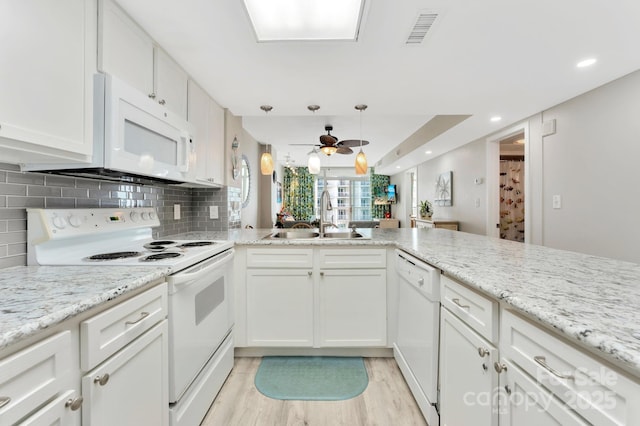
<point x="22" y="190"/>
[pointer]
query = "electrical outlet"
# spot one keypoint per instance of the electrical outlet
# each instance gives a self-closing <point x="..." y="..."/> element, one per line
<point x="213" y="212"/>
<point x="557" y="202"/>
<point x="176" y="211"/>
<point x="477" y="202"/>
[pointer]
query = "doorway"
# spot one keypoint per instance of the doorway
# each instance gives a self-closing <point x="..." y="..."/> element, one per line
<point x="512" y="188"/>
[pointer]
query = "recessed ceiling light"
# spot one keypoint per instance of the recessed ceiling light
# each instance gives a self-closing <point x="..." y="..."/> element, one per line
<point x="397" y="167"/>
<point x="428" y="152"/>
<point x="496" y="118"/>
<point x="279" y="20"/>
<point x="586" y="62"/>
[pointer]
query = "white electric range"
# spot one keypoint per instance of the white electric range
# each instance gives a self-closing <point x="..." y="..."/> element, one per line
<point x="200" y="289"/>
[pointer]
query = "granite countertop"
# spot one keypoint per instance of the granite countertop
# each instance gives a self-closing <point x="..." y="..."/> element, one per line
<point x="591" y="300"/>
<point x="35" y="298"/>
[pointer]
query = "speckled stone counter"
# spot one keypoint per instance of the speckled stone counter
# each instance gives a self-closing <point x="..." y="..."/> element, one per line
<point x="34" y="298"/>
<point x="593" y="301"/>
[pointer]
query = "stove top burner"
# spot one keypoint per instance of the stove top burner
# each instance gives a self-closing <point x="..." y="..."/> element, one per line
<point x="114" y="255"/>
<point x="160" y="256"/>
<point x="197" y="244"/>
<point x="161" y="243"/>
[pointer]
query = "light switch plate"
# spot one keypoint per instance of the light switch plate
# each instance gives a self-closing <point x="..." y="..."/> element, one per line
<point x="176" y="211"/>
<point x="213" y="212"/>
<point x="557" y="202"/>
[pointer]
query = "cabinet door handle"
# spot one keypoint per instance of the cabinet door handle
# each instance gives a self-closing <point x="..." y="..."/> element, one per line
<point x="321" y="273"/>
<point x="74" y="403"/>
<point x="421" y="282"/>
<point x="457" y="302"/>
<point x="152" y="95"/>
<point x="499" y="367"/>
<point x="309" y="273"/>
<point x="102" y="380"/>
<point x="483" y="352"/>
<point x="543" y="362"/>
<point x="143" y="315"/>
<point x="4" y="400"/>
<point x="162" y="102"/>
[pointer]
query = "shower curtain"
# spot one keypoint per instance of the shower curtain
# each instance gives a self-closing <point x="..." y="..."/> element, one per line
<point x="512" y="200"/>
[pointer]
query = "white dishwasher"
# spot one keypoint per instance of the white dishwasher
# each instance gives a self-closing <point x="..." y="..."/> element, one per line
<point x="416" y="345"/>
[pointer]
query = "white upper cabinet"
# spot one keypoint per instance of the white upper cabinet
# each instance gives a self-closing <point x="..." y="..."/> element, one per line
<point x="208" y="118"/>
<point x="126" y="51"/>
<point x="47" y="61"/>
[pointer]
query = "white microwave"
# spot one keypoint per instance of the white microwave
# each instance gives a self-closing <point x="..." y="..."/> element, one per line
<point x="134" y="137"/>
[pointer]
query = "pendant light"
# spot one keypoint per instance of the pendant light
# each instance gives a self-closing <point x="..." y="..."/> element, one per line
<point x="266" y="160"/>
<point x="313" y="164"/>
<point x="361" y="159"/>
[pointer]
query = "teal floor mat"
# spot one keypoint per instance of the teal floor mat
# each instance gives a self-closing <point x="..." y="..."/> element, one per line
<point x="311" y="378"/>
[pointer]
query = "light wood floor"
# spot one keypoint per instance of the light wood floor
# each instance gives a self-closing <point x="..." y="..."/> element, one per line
<point x="386" y="401"/>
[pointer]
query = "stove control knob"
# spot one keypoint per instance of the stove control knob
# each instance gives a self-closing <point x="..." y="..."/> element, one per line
<point x="135" y="216"/>
<point x="145" y="216"/>
<point x="75" y="221"/>
<point x="59" y="222"/>
<point x="152" y="215"/>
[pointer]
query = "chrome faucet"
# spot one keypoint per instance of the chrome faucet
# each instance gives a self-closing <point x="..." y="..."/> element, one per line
<point x="325" y="206"/>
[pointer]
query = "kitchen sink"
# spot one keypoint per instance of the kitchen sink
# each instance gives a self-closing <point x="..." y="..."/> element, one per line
<point x="305" y="235"/>
<point x="294" y="235"/>
<point x="342" y="235"/>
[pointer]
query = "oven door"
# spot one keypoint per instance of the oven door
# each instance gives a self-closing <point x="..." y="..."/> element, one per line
<point x="199" y="318"/>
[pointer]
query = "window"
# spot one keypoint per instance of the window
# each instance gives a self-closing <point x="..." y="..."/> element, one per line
<point x="350" y="199"/>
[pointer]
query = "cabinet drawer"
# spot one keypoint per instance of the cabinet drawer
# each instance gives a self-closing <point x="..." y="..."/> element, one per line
<point x="56" y="413"/>
<point x="353" y="258"/>
<point x="475" y="309"/>
<point x="33" y="376"/>
<point x="599" y="394"/>
<point x="279" y="258"/>
<point x="106" y="333"/>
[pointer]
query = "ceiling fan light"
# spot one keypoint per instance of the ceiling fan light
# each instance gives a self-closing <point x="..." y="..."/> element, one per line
<point x="314" y="163"/>
<point x="328" y="150"/>
<point x="361" y="163"/>
<point x="266" y="163"/>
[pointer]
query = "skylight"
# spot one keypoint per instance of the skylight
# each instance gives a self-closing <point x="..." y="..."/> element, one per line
<point x="286" y="20"/>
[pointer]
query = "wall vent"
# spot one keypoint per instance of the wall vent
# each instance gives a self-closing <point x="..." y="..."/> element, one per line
<point x="424" y="23"/>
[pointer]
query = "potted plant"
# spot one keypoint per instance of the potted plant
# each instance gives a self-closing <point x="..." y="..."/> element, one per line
<point x="426" y="209"/>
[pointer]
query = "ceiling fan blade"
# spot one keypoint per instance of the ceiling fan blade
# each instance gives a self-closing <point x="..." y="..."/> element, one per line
<point x="344" y="150"/>
<point x="303" y="144"/>
<point x="352" y="143"/>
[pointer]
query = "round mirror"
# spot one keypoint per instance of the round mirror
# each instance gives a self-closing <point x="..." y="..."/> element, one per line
<point x="245" y="173"/>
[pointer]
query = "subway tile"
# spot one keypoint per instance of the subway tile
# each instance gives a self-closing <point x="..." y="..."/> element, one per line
<point x="99" y="193"/>
<point x="136" y="196"/>
<point x="13" y="214"/>
<point x="3" y="176"/>
<point x="26" y="178"/>
<point x="118" y="194"/>
<point x="13" y="237"/>
<point x="109" y="186"/>
<point x="75" y="192"/>
<point x="12" y="189"/>
<point x="108" y="203"/>
<point x="8" y="262"/>
<point x="87" y="203"/>
<point x="33" y="202"/>
<point x="87" y="183"/>
<point x="16" y="225"/>
<point x="3" y="251"/>
<point x="14" y="249"/>
<point x="43" y="191"/>
<point x="66" y="181"/>
<point x="3" y="226"/>
<point x="60" y="203"/>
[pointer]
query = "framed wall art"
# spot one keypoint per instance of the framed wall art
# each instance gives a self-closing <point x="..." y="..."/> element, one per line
<point x="443" y="189"/>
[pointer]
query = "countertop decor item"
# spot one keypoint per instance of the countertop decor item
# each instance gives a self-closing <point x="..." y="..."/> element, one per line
<point x="311" y="378"/>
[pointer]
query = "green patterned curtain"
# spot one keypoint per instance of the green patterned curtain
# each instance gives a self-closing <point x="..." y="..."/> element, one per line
<point x="378" y="186"/>
<point x="298" y="199"/>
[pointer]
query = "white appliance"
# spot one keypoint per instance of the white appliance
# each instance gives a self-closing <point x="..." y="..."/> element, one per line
<point x="134" y="137"/>
<point x="416" y="345"/>
<point x="200" y="289"/>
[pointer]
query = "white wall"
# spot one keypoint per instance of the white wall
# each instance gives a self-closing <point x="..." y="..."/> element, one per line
<point x="467" y="163"/>
<point x="592" y="162"/>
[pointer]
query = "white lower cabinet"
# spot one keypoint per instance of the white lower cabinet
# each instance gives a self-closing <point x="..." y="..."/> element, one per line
<point x="279" y="307"/>
<point x="131" y="387"/>
<point x="313" y="297"/>
<point x="467" y="377"/>
<point x="523" y="402"/>
<point x="352" y="307"/>
<point x="63" y="410"/>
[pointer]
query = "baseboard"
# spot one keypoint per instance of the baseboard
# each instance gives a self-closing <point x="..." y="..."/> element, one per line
<point x="364" y="352"/>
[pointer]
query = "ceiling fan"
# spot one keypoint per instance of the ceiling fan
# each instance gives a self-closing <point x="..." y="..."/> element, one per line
<point x="330" y="144"/>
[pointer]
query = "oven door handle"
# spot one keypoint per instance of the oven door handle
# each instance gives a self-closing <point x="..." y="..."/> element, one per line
<point x="182" y="278"/>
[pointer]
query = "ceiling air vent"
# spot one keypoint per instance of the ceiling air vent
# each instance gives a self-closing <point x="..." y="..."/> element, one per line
<point x="423" y="24"/>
